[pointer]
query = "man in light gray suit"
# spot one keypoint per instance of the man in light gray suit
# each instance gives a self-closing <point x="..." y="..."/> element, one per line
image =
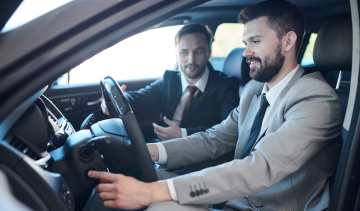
<point x="283" y="132"/>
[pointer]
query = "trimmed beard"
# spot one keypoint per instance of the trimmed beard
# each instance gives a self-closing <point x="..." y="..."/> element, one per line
<point x="269" y="69"/>
<point x="197" y="75"/>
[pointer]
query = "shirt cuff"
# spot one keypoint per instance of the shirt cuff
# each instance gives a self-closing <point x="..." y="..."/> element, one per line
<point x="162" y="154"/>
<point x="183" y="132"/>
<point x="171" y="187"/>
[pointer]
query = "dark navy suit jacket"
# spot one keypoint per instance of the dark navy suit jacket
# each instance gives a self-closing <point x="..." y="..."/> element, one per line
<point x="161" y="98"/>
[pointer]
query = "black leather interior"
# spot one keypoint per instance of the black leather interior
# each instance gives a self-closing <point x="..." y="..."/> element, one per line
<point x="333" y="56"/>
<point x="333" y="46"/>
<point x="235" y="65"/>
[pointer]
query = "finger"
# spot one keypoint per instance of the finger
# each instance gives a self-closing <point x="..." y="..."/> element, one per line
<point x="159" y="131"/>
<point x="107" y="196"/>
<point x="102" y="175"/>
<point x="123" y="87"/>
<point x="105" y="187"/>
<point x="160" y="135"/>
<point x="158" y="128"/>
<point x="169" y="122"/>
<point x="111" y="204"/>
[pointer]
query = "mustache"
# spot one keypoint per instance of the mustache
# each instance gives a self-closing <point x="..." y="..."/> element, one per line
<point x="191" y="66"/>
<point x="252" y="58"/>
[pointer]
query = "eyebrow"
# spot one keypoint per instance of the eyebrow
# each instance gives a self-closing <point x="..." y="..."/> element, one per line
<point x="253" y="37"/>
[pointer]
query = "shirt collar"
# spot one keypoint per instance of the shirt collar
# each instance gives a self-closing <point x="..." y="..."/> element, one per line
<point x="274" y="92"/>
<point x="200" y="84"/>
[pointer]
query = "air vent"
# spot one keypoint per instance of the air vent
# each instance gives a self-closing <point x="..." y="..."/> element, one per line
<point x="19" y="145"/>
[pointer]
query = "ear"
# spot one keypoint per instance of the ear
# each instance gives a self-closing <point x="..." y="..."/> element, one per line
<point x="289" y="41"/>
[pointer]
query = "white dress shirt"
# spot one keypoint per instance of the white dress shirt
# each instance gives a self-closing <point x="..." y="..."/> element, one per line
<point x="201" y="85"/>
<point x="271" y="96"/>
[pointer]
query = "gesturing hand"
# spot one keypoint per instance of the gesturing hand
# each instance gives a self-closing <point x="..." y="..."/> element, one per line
<point x="172" y="131"/>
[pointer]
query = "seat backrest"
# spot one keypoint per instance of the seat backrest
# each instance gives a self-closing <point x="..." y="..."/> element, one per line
<point x="333" y="56"/>
<point x="235" y="65"/>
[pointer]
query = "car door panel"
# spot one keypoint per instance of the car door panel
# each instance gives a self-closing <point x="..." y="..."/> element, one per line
<point x="78" y="101"/>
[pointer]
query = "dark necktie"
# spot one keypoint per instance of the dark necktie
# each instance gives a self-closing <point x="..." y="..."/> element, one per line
<point x="256" y="127"/>
<point x="184" y="103"/>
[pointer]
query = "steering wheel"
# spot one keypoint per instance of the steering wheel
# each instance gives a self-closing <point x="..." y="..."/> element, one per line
<point x="119" y="107"/>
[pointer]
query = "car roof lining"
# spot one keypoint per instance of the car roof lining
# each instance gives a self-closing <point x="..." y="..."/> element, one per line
<point x="315" y="11"/>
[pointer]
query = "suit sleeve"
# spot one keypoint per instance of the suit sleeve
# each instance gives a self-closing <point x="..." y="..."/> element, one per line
<point x="230" y="98"/>
<point x="311" y="122"/>
<point x="147" y="101"/>
<point x="205" y="145"/>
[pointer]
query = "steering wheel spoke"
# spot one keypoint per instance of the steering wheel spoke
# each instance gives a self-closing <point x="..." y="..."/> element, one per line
<point x="119" y="107"/>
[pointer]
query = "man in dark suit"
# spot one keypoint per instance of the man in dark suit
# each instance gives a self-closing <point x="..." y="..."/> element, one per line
<point x="161" y="102"/>
<point x="284" y="133"/>
<point x="161" y="107"/>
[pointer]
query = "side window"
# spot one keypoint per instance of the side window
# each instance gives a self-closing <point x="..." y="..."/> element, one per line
<point x="227" y="37"/>
<point x="30" y="10"/>
<point x="308" y="59"/>
<point x="144" y="55"/>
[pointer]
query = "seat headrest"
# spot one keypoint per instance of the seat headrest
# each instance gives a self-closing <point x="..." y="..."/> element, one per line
<point x="333" y="45"/>
<point x="235" y="65"/>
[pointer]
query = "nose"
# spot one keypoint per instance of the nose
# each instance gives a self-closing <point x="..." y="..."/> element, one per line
<point x="248" y="52"/>
<point x="191" y="58"/>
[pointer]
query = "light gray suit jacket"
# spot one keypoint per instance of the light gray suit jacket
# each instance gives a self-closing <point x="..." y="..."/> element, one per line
<point x="289" y="166"/>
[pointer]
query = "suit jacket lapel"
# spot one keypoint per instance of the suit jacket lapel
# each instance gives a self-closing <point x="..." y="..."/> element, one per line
<point x="298" y="74"/>
<point x="175" y="94"/>
<point x="272" y="109"/>
<point x="246" y="125"/>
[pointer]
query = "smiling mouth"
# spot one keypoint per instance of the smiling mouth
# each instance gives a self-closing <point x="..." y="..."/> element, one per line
<point x="253" y="62"/>
<point x="191" y="67"/>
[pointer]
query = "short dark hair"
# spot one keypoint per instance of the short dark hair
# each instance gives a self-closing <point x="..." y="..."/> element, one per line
<point x="195" y="28"/>
<point x="282" y="15"/>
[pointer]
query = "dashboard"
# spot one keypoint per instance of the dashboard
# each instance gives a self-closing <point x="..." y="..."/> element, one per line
<point x="47" y="161"/>
<point x="26" y="156"/>
<point x="43" y="153"/>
